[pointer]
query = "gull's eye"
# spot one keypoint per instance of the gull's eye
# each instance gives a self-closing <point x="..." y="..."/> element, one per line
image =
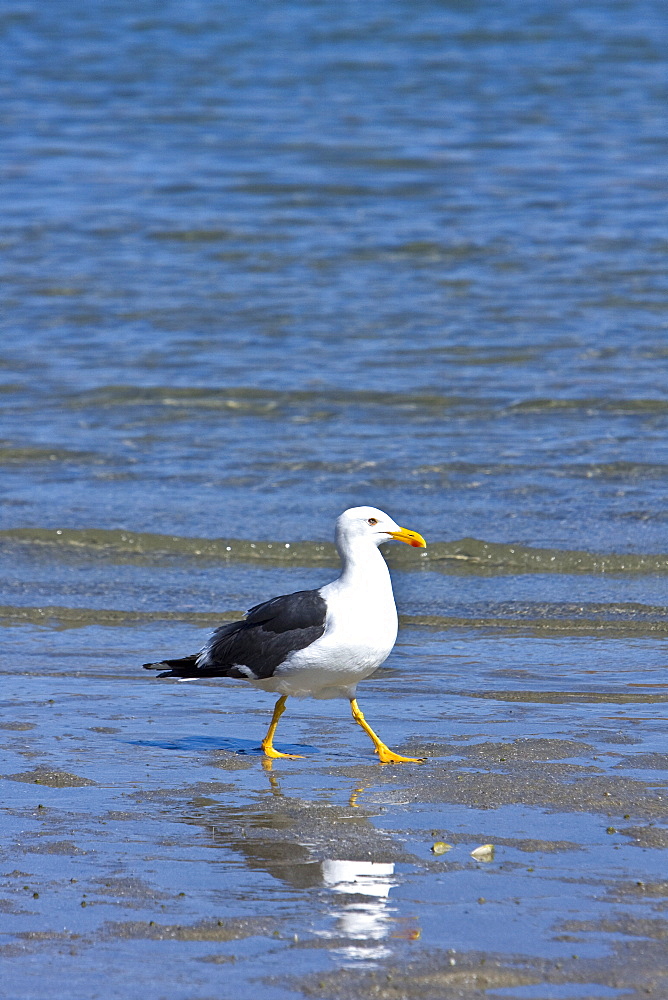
<point x="372" y="520"/>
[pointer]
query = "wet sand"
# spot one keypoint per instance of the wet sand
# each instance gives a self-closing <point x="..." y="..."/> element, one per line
<point x="150" y="850"/>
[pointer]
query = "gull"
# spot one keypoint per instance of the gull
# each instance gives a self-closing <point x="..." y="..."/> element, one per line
<point x="315" y="643"/>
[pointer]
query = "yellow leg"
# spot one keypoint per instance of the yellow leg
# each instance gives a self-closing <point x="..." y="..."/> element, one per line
<point x="267" y="742"/>
<point x="385" y="755"/>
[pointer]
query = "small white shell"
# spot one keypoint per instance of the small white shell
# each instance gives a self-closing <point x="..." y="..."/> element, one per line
<point x="483" y="853"/>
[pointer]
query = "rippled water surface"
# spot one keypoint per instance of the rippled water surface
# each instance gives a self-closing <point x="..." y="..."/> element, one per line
<point x="261" y="263"/>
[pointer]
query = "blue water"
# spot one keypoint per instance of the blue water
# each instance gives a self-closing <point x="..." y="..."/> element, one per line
<point x="458" y="201"/>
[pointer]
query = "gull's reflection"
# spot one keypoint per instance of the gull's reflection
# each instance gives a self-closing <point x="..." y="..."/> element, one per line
<point x="368" y="919"/>
<point x="282" y="835"/>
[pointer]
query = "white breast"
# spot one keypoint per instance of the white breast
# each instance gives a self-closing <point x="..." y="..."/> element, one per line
<point x="360" y="631"/>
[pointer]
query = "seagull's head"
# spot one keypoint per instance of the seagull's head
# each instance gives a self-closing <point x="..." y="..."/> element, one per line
<point x="375" y="525"/>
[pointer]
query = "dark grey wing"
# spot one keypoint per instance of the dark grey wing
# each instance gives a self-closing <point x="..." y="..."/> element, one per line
<point x="255" y="647"/>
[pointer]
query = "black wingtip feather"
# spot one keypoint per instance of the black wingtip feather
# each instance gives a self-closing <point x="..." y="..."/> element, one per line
<point x="186" y="666"/>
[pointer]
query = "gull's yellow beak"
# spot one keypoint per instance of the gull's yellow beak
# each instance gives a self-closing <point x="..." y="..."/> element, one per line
<point x="409" y="537"/>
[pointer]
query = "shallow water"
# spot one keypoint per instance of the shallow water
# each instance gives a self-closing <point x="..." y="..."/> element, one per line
<point x="261" y="263"/>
